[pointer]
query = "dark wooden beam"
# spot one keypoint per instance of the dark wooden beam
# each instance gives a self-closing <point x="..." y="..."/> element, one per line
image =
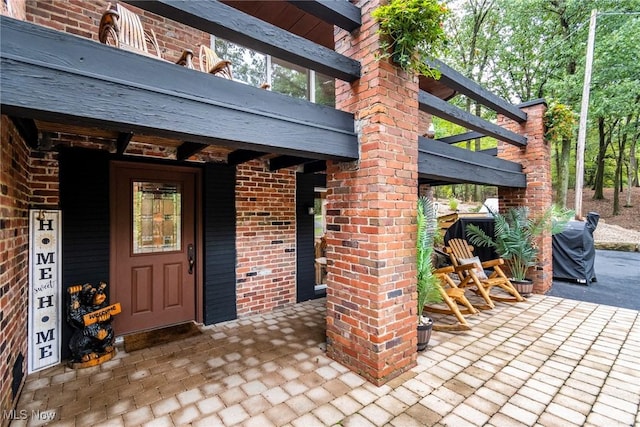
<point x="434" y="105"/>
<point x="123" y="141"/>
<point x="462" y="137"/>
<point x="27" y="129"/>
<point x="471" y="157"/>
<point x="241" y="156"/>
<point x="85" y="83"/>
<point x="282" y="162"/>
<point x="489" y="151"/>
<point x="473" y="90"/>
<point x="440" y="162"/>
<point x="231" y="24"/>
<point x="315" y="166"/>
<point x="435" y="182"/>
<point x="343" y="14"/>
<point x="188" y="149"/>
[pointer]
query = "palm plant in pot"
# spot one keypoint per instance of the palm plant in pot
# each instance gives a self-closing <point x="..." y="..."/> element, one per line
<point x="427" y="284"/>
<point x="515" y="237"/>
<point x="413" y="32"/>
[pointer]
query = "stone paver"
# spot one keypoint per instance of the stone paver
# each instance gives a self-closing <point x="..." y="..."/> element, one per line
<point x="546" y="361"/>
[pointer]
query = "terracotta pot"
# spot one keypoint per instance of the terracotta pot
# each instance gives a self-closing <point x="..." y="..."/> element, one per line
<point x="524" y="287"/>
<point x="424" y="334"/>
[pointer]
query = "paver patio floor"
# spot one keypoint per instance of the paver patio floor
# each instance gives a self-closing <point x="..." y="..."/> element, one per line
<point x="545" y="362"/>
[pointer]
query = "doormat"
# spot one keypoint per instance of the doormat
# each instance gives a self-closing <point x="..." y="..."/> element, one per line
<point x="147" y="339"/>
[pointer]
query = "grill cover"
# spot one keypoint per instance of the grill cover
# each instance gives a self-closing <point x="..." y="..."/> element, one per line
<point x="574" y="253"/>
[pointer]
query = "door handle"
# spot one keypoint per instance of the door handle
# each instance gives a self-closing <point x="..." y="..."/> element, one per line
<point x="191" y="257"/>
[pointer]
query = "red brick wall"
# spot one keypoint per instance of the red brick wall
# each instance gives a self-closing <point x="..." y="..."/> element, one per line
<point x="82" y="18"/>
<point x="44" y="180"/>
<point x="24" y="182"/>
<point x="266" y="238"/>
<point x="371" y="298"/>
<point x="538" y="196"/>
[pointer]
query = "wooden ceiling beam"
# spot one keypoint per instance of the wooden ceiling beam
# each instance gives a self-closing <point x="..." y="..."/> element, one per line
<point x="436" y="106"/>
<point x="462" y="137"/>
<point x="440" y="162"/>
<point x="241" y="156"/>
<point x="123" y="141"/>
<point x="315" y="166"/>
<point x="473" y="90"/>
<point x="188" y="149"/>
<point x="282" y="162"/>
<point x="339" y="13"/>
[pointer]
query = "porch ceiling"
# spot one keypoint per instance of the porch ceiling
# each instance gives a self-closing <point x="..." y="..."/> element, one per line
<point x="288" y="17"/>
<point x="69" y="132"/>
<point x="81" y="83"/>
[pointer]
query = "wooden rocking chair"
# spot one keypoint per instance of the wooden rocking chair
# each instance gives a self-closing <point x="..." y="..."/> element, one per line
<point x="213" y="64"/>
<point x="461" y="255"/>
<point x="454" y="298"/>
<point x="122" y="28"/>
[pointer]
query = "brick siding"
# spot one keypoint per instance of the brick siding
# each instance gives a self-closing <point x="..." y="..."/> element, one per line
<point x="371" y="209"/>
<point x="20" y="177"/>
<point x="266" y="238"/>
<point x="538" y="196"/>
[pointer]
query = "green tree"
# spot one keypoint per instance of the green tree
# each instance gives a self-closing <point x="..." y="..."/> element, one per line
<point x="473" y="33"/>
<point x="541" y="54"/>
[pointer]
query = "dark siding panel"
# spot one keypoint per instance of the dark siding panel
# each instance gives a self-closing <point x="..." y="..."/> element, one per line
<point x="305" y="259"/>
<point x="84" y="200"/>
<point x="219" y="243"/>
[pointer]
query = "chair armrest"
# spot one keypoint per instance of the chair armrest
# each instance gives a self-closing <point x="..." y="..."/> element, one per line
<point x="109" y="30"/>
<point x="465" y="267"/>
<point x="445" y="270"/>
<point x="186" y="59"/>
<point x="493" y="263"/>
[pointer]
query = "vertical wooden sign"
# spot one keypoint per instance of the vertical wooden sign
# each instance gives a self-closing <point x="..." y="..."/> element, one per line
<point x="45" y="294"/>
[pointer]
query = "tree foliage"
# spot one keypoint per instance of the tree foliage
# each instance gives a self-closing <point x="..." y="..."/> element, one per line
<point x="539" y="50"/>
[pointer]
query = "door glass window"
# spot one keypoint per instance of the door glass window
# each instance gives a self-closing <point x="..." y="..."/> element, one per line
<point x="156" y="217"/>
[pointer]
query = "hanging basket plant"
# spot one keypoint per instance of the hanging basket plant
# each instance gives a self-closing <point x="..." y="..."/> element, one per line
<point x="412" y="31"/>
<point x="559" y="122"/>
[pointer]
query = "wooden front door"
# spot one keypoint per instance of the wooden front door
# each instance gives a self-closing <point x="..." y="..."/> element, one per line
<point x="153" y="245"/>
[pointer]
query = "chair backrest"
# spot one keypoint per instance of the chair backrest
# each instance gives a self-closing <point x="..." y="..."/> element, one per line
<point x="458" y="249"/>
<point x="121" y="27"/>
<point x="211" y="63"/>
<point x="131" y="31"/>
<point x="133" y="35"/>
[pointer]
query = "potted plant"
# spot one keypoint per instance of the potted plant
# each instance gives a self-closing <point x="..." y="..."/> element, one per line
<point x="427" y="283"/>
<point x="413" y="32"/>
<point x="515" y="237"/>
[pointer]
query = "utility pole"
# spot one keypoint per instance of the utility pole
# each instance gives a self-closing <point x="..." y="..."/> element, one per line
<point x="584" y="110"/>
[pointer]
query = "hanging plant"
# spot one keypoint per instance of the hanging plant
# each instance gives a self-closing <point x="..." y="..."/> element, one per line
<point x="413" y="31"/>
<point x="559" y="122"/>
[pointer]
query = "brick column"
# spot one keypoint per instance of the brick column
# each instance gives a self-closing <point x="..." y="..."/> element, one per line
<point x="538" y="196"/>
<point x="371" y="209"/>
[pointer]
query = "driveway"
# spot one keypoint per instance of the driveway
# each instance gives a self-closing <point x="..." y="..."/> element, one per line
<point x="618" y="281"/>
